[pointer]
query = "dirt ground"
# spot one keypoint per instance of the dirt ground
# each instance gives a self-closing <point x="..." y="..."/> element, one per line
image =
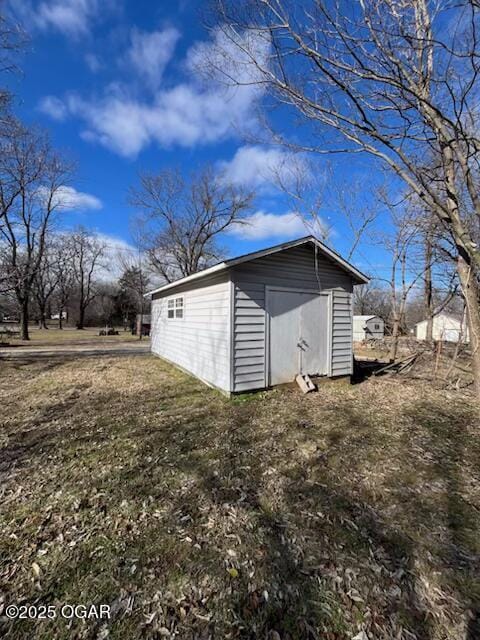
<point x="353" y="512"/>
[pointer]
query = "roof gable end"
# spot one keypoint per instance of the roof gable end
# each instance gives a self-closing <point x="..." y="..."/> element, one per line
<point x="356" y="275"/>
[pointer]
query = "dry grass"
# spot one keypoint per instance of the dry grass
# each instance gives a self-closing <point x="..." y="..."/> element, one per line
<point x="438" y="365"/>
<point x="268" y="516"/>
<point x="68" y="337"/>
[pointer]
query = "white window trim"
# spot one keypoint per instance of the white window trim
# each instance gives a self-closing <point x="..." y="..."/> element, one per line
<point x="176" y="303"/>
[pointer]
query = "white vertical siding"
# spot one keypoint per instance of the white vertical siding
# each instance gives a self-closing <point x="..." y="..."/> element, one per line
<point x="293" y="268"/>
<point x="249" y="345"/>
<point x="342" y="334"/>
<point x="200" y="341"/>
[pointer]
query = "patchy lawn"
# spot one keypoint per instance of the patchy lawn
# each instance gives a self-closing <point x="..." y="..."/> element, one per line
<point x="270" y="516"/>
<point x="66" y="337"/>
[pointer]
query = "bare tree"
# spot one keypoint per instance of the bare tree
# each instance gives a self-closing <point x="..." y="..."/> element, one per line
<point x="44" y="285"/>
<point x="371" y="299"/>
<point x="54" y="280"/>
<point x="413" y="245"/>
<point x="63" y="266"/>
<point x="300" y="182"/>
<point x="381" y="77"/>
<point x="133" y="285"/>
<point x="356" y="206"/>
<point x="105" y="295"/>
<point x="180" y="222"/>
<point x="12" y="41"/>
<point x="32" y="177"/>
<point x="405" y="272"/>
<point x="440" y="279"/>
<point x="428" y="240"/>
<point x="87" y="253"/>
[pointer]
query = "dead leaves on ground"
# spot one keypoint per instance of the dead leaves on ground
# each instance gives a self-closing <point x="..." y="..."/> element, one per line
<point x="281" y="517"/>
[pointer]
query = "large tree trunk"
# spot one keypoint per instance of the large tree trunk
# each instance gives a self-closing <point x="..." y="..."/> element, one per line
<point x="60" y="318"/>
<point x="395" y="338"/>
<point x="24" y="321"/>
<point x="468" y="280"/>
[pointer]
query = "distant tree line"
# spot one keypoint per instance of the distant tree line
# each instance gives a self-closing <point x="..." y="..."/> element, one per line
<point x="76" y="284"/>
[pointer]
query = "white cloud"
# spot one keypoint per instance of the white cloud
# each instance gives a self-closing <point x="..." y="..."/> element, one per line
<point x="256" y="166"/>
<point x="115" y="122"/>
<point x="150" y="52"/>
<point x="69" y="198"/>
<point x="93" y="62"/>
<point x="118" y="253"/>
<point x="53" y="107"/>
<point x="117" y="245"/>
<point x="184" y="115"/>
<point x="187" y="114"/>
<point x="286" y="226"/>
<point x="231" y="56"/>
<point x="71" y="17"/>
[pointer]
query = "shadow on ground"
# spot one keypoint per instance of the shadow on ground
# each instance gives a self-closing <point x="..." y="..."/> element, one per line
<point x="277" y="517"/>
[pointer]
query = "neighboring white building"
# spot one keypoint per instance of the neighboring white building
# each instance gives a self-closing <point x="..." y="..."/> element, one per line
<point x="445" y="327"/>
<point x="258" y="320"/>
<point x="368" y="328"/>
<point x="56" y="316"/>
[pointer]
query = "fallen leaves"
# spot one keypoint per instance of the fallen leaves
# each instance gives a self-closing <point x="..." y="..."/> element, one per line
<point x="281" y="518"/>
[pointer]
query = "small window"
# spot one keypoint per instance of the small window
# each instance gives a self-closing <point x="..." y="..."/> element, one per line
<point x="377" y="327"/>
<point x="175" y="308"/>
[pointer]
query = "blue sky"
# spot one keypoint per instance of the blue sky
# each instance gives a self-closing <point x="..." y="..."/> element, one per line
<point x="116" y="84"/>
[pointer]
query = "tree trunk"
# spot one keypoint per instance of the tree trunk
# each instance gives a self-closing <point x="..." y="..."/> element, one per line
<point x="395" y="338"/>
<point x="429" y="330"/>
<point x="60" y="318"/>
<point x="24" y="321"/>
<point x="42" y="320"/>
<point x="81" y="317"/>
<point x="468" y="281"/>
<point x="140" y="324"/>
<point x="428" y="291"/>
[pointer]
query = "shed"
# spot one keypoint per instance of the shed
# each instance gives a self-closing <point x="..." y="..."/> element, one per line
<point x="446" y="327"/>
<point x="260" y="319"/>
<point x="368" y="328"/>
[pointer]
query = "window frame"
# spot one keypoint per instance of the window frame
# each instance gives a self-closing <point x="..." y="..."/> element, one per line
<point x="176" y="307"/>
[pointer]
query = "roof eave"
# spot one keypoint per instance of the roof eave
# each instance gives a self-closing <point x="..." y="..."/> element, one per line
<point x="195" y="276"/>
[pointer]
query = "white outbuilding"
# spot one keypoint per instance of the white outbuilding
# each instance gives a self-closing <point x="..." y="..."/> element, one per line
<point x="368" y="328"/>
<point x="445" y="327"/>
<point x="258" y="320"/>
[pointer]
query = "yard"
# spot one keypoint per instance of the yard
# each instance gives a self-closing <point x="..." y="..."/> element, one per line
<point x="274" y="516"/>
<point x="63" y="337"/>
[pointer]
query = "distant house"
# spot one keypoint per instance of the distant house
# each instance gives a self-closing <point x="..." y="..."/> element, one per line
<point x="446" y="327"/>
<point x="368" y="328"/>
<point x="260" y="319"/>
<point x="56" y="316"/>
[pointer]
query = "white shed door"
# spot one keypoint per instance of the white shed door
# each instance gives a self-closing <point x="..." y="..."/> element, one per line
<point x="298" y="334"/>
